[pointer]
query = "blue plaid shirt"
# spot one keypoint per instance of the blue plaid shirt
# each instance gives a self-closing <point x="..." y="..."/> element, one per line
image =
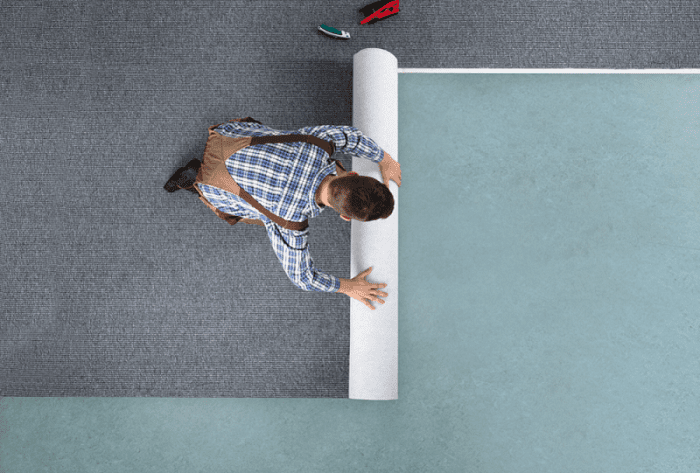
<point x="283" y="178"/>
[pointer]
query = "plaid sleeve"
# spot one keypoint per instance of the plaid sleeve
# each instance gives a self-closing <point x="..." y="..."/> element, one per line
<point x="348" y="140"/>
<point x="292" y="249"/>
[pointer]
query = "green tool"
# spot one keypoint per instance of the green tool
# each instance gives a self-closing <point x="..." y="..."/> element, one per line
<point x="333" y="32"/>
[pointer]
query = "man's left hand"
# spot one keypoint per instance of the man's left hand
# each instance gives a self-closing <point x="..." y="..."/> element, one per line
<point x="390" y="169"/>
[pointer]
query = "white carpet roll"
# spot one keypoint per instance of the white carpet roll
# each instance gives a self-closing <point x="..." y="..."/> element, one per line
<point x="374" y="333"/>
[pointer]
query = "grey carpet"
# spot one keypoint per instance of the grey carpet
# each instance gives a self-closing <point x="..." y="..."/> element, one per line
<point x="113" y="287"/>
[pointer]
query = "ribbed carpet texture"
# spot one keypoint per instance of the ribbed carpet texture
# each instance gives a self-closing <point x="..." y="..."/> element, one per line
<point x="113" y="287"/>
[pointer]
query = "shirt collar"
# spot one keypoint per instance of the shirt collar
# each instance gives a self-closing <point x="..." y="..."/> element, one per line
<point x="325" y="171"/>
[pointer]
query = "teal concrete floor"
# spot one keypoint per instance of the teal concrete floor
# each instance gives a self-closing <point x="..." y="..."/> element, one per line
<point x="549" y="322"/>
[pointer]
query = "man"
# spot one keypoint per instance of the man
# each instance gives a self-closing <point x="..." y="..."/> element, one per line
<point x="297" y="181"/>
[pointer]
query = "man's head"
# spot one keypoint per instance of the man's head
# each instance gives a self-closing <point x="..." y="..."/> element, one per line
<point x="360" y="197"/>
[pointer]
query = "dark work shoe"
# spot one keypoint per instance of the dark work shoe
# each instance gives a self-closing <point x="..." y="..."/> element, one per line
<point x="194" y="164"/>
<point x="184" y="177"/>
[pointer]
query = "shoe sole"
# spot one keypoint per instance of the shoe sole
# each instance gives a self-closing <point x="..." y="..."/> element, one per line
<point x="172" y="184"/>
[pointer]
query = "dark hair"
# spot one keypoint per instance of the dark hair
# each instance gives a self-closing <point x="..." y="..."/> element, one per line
<point x="361" y="197"/>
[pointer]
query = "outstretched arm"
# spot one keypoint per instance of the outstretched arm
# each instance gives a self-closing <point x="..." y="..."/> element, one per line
<point x="347" y="140"/>
<point x="292" y="250"/>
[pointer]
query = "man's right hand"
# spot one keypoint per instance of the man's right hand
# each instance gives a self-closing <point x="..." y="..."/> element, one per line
<point x="358" y="288"/>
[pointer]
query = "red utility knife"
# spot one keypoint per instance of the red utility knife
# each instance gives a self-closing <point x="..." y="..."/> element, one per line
<point x="379" y="10"/>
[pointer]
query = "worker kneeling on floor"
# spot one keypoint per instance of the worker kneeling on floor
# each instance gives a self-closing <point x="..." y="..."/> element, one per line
<point x="254" y="174"/>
